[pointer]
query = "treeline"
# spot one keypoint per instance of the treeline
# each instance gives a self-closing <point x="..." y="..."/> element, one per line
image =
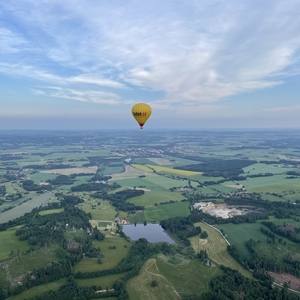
<point x="40" y="230"/>
<point x="30" y="186"/>
<point x="262" y="263"/>
<point x="69" y="291"/>
<point x="288" y="231"/>
<point x="48" y="166"/>
<point x="139" y="252"/>
<point x="90" y="187"/>
<point x="232" y="285"/>
<point x="198" y="215"/>
<point x="2" y="190"/>
<point x="228" y="168"/>
<point x="61" y="180"/>
<point x="181" y="227"/>
<point x="119" y="199"/>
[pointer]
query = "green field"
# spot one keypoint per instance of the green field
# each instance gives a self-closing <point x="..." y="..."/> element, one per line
<point x="289" y="189"/>
<point x="103" y="282"/>
<point x="166" y="211"/>
<point x="238" y="234"/>
<point x="21" y="264"/>
<point x="39" y="290"/>
<point x="113" y="249"/>
<point x="10" y="244"/>
<point x="261" y="168"/>
<point x="164" y="169"/>
<point x="140" y="287"/>
<point x="39" y="177"/>
<point x="149" y="199"/>
<point x="216" y="248"/>
<point x="51" y="211"/>
<point x="189" y="277"/>
<point x="99" y="209"/>
<point x="153" y="181"/>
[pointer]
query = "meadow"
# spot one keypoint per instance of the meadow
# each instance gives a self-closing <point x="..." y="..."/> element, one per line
<point x="39" y="290"/>
<point x="166" y="211"/>
<point x="10" y="243"/>
<point x="99" y="209"/>
<point x="140" y="287"/>
<point x="216" y="248"/>
<point x="190" y="277"/>
<point x="238" y="234"/>
<point x="113" y="250"/>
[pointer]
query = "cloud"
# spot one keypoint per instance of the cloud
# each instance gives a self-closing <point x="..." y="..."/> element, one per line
<point x="284" y="109"/>
<point x="95" y="80"/>
<point x="78" y="95"/>
<point x="194" y="53"/>
<point x="11" y="42"/>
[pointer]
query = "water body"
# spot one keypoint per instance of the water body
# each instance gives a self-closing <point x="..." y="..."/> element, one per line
<point x="153" y="233"/>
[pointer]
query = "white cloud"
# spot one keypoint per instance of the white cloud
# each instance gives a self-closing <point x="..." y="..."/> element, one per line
<point x="95" y="80"/>
<point x="194" y="52"/>
<point x="11" y="42"/>
<point x="79" y="95"/>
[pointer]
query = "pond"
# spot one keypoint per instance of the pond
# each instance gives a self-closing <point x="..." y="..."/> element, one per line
<point x="153" y="233"/>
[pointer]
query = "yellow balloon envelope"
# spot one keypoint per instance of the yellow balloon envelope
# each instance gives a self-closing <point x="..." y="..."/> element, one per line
<point x="141" y="112"/>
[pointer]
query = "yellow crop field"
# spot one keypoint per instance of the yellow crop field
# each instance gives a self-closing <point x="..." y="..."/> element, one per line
<point x="164" y="169"/>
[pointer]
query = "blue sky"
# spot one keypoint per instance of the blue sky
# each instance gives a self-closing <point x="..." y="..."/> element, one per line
<point x="200" y="64"/>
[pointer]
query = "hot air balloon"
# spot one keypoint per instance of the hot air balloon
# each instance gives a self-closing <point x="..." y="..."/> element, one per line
<point x="141" y="112"/>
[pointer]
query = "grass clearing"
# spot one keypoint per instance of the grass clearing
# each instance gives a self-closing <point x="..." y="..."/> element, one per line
<point x="10" y="243"/>
<point x="166" y="211"/>
<point x="188" y="277"/>
<point x="238" y="234"/>
<point x="140" y="287"/>
<point x="113" y="249"/>
<point x="216" y="247"/>
<point x="51" y="211"/>
<point x="149" y="199"/>
<point x="71" y="171"/>
<point x="99" y="209"/>
<point x="39" y="290"/>
<point x="103" y="282"/>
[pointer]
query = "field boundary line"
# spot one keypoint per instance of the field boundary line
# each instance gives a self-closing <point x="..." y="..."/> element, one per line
<point x="219" y="231"/>
<point x="161" y="276"/>
<point x="281" y="285"/>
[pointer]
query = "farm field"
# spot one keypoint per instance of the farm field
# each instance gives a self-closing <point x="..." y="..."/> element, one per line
<point x="71" y="171"/>
<point x="164" y="169"/>
<point x="149" y="199"/>
<point x="165" y="211"/>
<point x="35" y="200"/>
<point x="216" y="248"/>
<point x="289" y="189"/>
<point x="86" y="225"/>
<point x="238" y="234"/>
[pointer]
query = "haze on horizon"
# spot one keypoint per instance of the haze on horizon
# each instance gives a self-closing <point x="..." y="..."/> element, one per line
<point x="81" y="64"/>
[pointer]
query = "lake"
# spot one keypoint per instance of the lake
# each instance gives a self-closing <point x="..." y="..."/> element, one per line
<point x="153" y="233"/>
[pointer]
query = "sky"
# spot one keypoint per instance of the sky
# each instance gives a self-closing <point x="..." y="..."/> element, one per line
<point x="82" y="64"/>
